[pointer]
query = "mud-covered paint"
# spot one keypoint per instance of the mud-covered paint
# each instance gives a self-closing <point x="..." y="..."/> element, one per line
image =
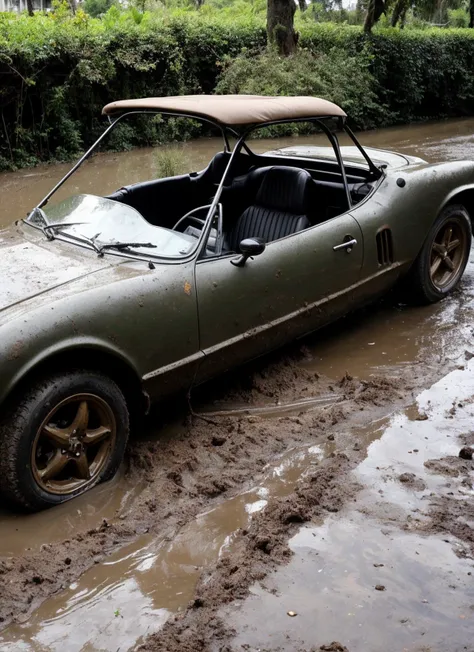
<point x="173" y="324"/>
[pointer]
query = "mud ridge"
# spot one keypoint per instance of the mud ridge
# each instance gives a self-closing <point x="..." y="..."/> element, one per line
<point x="255" y="552"/>
<point x="201" y="464"/>
<point x="452" y="512"/>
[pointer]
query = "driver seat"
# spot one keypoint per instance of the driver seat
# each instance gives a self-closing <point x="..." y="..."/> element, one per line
<point x="280" y="207"/>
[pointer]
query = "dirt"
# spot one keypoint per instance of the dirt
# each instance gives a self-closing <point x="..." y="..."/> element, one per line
<point x="204" y="461"/>
<point x="448" y="514"/>
<point x="375" y="526"/>
<point x="255" y="553"/>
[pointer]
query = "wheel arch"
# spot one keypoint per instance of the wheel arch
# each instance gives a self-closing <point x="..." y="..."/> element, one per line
<point x="91" y="356"/>
<point x="463" y="195"/>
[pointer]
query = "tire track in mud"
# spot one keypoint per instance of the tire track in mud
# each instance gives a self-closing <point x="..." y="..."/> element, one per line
<point x="198" y="465"/>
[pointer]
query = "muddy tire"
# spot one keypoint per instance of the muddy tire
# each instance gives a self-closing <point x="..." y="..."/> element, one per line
<point x="62" y="436"/>
<point x="442" y="259"/>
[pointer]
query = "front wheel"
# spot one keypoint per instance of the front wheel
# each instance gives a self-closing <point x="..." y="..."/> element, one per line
<point x="442" y="259"/>
<point x="62" y="436"/>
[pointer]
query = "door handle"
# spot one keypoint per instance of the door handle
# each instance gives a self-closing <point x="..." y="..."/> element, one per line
<point x="347" y="245"/>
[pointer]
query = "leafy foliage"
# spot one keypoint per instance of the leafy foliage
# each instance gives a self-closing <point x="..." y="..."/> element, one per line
<point x="57" y="71"/>
<point x="171" y="161"/>
<point x="335" y="75"/>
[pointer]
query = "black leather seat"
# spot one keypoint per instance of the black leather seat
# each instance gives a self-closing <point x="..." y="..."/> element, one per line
<point x="280" y="207"/>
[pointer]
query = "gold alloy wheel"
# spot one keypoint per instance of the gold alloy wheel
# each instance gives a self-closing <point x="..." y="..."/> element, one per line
<point x="73" y="444"/>
<point x="447" y="254"/>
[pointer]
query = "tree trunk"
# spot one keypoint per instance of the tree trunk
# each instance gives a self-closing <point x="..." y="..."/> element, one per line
<point x="280" y="29"/>
<point x="29" y="6"/>
<point x="403" y="18"/>
<point x="398" y="11"/>
<point x="375" y="9"/>
<point x="471" y="13"/>
<point x="302" y="5"/>
<point x="73" y="5"/>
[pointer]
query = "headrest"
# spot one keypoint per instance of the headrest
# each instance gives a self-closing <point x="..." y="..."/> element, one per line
<point x="285" y="189"/>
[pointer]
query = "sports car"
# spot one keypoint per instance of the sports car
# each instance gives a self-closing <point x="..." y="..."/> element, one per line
<point x="110" y="302"/>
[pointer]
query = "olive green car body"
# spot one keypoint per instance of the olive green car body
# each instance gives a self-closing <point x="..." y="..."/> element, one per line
<point x="161" y="328"/>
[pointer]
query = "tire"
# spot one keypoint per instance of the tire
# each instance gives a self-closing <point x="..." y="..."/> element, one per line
<point x="62" y="436"/>
<point x="430" y="279"/>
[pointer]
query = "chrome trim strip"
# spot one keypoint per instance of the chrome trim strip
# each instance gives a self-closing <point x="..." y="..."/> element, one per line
<point x="174" y="365"/>
<point x="281" y="320"/>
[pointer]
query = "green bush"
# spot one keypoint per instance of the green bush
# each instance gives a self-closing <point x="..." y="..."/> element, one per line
<point x="458" y="17"/>
<point x="97" y="7"/>
<point x="58" y="70"/>
<point x="171" y="161"/>
<point x="335" y="75"/>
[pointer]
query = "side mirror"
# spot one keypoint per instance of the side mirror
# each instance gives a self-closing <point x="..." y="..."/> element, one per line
<point x="249" y="247"/>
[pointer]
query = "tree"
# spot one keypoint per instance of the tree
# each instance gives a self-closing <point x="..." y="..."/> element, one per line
<point x="399" y="12"/>
<point x="302" y="5"/>
<point x="471" y="13"/>
<point x="280" y="26"/>
<point x="375" y="9"/>
<point x="29" y="6"/>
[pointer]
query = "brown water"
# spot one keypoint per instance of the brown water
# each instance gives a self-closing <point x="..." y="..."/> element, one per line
<point x="21" y="191"/>
<point x="131" y="594"/>
<point x="427" y="604"/>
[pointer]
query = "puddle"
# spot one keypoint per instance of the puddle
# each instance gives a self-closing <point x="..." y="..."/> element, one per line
<point x="19" y="532"/>
<point x="428" y="430"/>
<point x="330" y="581"/>
<point x="118" y="602"/>
<point x="386" y="339"/>
<point x="427" y="597"/>
<point x="427" y="604"/>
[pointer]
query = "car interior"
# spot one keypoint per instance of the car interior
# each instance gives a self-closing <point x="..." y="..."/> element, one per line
<point x="268" y="197"/>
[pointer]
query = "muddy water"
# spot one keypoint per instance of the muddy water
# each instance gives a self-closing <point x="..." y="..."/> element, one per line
<point x="427" y="597"/>
<point x="449" y="140"/>
<point x="116" y="603"/>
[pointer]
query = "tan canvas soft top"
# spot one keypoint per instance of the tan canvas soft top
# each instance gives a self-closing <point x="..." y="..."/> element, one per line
<point x="232" y="109"/>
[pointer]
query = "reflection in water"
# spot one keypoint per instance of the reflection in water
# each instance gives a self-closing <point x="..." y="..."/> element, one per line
<point x="19" y="532"/>
<point x="116" y="603"/>
<point x="426" y="596"/>
<point x="330" y="584"/>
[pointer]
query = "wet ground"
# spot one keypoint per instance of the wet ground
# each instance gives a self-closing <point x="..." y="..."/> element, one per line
<point x="321" y="500"/>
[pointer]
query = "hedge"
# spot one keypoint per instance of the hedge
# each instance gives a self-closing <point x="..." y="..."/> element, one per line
<point x="57" y="71"/>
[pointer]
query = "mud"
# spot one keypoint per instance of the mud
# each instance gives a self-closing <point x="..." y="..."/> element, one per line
<point x="198" y="462"/>
<point x="300" y="484"/>
<point x="394" y="569"/>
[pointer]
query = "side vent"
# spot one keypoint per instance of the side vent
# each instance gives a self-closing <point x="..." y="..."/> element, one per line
<point x="384" y="247"/>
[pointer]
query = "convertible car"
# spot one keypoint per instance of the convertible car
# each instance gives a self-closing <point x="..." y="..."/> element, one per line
<point x="110" y="302"/>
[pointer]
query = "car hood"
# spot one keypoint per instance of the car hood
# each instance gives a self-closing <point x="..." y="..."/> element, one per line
<point x="350" y="154"/>
<point x="31" y="266"/>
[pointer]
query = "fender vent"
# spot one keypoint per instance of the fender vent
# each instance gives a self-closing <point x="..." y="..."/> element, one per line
<point x="384" y="247"/>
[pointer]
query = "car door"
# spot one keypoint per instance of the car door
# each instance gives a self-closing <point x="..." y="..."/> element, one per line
<point x="296" y="285"/>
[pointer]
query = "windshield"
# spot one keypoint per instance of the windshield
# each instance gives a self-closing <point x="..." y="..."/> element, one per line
<point x="105" y="222"/>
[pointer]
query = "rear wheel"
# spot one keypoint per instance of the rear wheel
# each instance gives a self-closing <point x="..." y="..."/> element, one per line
<point x="443" y="258"/>
<point x="64" y="435"/>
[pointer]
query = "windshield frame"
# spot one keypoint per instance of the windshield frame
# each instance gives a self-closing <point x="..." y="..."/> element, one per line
<point x="53" y="231"/>
<point x="226" y="131"/>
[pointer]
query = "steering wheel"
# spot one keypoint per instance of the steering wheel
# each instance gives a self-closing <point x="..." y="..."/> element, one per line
<point x="189" y="216"/>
